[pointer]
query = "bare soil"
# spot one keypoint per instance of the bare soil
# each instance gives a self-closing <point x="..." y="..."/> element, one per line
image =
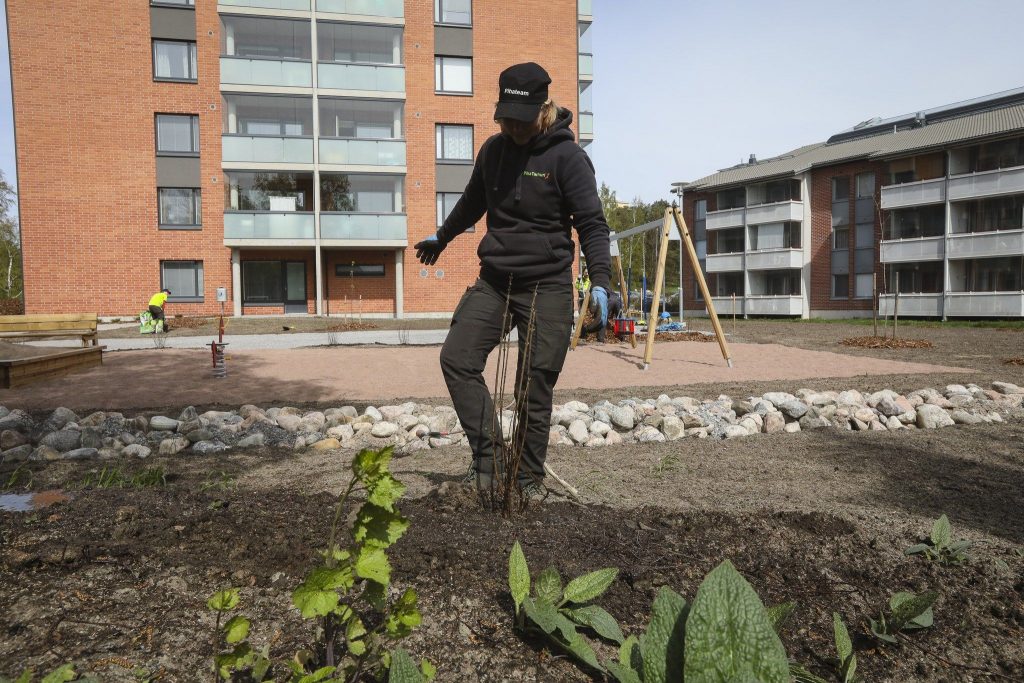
<point x="120" y="577"/>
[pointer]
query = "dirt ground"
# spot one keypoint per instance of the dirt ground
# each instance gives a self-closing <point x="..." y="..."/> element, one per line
<point x="116" y="579"/>
<point x="191" y="327"/>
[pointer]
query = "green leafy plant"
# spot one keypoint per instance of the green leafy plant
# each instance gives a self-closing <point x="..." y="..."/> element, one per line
<point x="114" y="477"/>
<point x="907" y="612"/>
<point x="61" y="674"/>
<point x="940" y="545"/>
<point x="221" y="482"/>
<point x="346" y="595"/>
<point x="20" y="477"/>
<point x="847" y="668"/>
<point x="556" y="612"/>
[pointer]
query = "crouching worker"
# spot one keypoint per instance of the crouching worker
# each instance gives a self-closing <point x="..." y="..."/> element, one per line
<point x="156" y="309"/>
<point x="534" y="183"/>
<point x="613" y="311"/>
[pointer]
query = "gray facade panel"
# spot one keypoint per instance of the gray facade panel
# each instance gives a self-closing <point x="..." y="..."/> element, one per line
<point x="865" y="210"/>
<point x="178" y="172"/>
<point x="171" y="23"/>
<point x="453" y="177"/>
<point x="453" y="41"/>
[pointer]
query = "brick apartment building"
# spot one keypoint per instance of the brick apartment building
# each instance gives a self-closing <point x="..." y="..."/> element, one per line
<point x="928" y="205"/>
<point x="289" y="151"/>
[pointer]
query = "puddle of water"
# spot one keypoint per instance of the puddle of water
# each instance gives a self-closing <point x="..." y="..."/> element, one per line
<point x="29" y="502"/>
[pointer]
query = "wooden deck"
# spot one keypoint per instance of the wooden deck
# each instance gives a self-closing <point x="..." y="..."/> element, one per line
<point x="22" y="371"/>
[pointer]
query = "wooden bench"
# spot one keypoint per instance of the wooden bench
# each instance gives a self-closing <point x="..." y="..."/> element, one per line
<point x="64" y="325"/>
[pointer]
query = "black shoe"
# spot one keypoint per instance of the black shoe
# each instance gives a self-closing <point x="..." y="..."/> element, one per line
<point x="533" y="490"/>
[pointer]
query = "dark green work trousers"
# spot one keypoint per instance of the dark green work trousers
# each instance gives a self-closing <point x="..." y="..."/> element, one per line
<point x="477" y="328"/>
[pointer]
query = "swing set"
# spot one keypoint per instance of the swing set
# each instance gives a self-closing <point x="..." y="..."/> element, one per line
<point x="626" y="326"/>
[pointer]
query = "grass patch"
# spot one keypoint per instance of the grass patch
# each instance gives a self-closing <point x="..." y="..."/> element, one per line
<point x="115" y="478"/>
<point x="886" y="343"/>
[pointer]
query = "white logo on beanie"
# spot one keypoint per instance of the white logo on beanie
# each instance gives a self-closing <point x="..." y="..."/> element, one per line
<point x="510" y="91"/>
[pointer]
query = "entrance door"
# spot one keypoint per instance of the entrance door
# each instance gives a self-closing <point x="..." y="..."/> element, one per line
<point x="295" y="287"/>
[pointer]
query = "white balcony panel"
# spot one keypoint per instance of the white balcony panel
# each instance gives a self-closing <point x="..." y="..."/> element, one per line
<point x="914" y="305"/>
<point x="774" y="305"/>
<point x="724" y="263"/>
<point x="727" y="218"/>
<point x="300" y="5"/>
<point x="774" y="259"/>
<point x="394" y="9"/>
<point x="266" y="150"/>
<point x="389" y="227"/>
<point x="914" y="194"/>
<point x="984" y="244"/>
<point x="971" y="185"/>
<point x="272" y="72"/>
<point x="268" y="226"/>
<point x="724" y="305"/>
<point x="362" y="152"/>
<point x="363" y="77"/>
<point x="585" y="8"/>
<point x="586" y="66"/>
<point x="999" y="304"/>
<point x="586" y="124"/>
<point x="775" y="213"/>
<point x="918" y="249"/>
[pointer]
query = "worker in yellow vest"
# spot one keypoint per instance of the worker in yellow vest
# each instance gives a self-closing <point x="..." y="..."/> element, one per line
<point x="156" y="307"/>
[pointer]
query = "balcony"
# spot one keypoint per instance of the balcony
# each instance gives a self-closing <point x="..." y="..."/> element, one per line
<point x="376" y="78"/>
<point x="298" y="5"/>
<point x="724" y="263"/>
<point x="997" y="304"/>
<point x="585" y="8"/>
<point x="366" y="227"/>
<point x="394" y="9"/>
<point x="266" y="150"/>
<point x="914" y="194"/>
<point x="724" y="305"/>
<point x="586" y="67"/>
<point x="775" y="213"/>
<point x="987" y="183"/>
<point x="774" y="305"/>
<point x="775" y="259"/>
<point x="352" y="152"/>
<point x="243" y="227"/>
<point x="917" y="249"/>
<point x="266" y="72"/>
<point x="986" y="244"/>
<point x="586" y="124"/>
<point x="727" y="218"/>
<point x="913" y="305"/>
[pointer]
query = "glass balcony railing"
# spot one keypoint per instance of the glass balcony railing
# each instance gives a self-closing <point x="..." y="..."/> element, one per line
<point x="373" y="8"/>
<point x="586" y="7"/>
<point x="586" y="124"/>
<point x="586" y="65"/>
<point x="250" y="71"/>
<point x="240" y="225"/>
<point x="372" y="77"/>
<point x="362" y="152"/>
<point x="267" y="150"/>
<point x="303" y="5"/>
<point x="363" y="226"/>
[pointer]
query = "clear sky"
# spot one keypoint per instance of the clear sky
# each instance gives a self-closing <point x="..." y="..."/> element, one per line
<point x="683" y="88"/>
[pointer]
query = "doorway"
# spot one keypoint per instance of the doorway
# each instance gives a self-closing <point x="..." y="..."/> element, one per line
<point x="295" y="287"/>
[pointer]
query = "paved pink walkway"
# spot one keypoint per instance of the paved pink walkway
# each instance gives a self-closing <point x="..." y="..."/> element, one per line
<point x="159" y="378"/>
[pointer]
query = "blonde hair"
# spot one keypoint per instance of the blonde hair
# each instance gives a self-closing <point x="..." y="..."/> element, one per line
<point x="548" y="115"/>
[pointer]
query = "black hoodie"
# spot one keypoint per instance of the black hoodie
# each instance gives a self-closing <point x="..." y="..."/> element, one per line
<point x="533" y="195"/>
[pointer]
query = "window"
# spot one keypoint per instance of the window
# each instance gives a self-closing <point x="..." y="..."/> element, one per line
<point x="180" y="207"/>
<point x="865" y="185"/>
<point x="841" y="238"/>
<point x="986" y="275"/>
<point x="916" y="278"/>
<point x="262" y="282"/>
<point x="700" y="210"/>
<point x="775" y="236"/>
<point x="446" y="202"/>
<point x="184" y="279"/>
<point x="341" y="192"/>
<point x="458" y="12"/>
<point x="864" y="286"/>
<point x="267" y="115"/>
<point x="268" y="191"/>
<point x="840" y="188"/>
<point x="917" y="222"/>
<point x="364" y="119"/>
<point x="729" y="241"/>
<point x="265" y="37"/>
<point x="358" y="43"/>
<point x="454" y="143"/>
<point x="453" y="74"/>
<point x="840" y="286"/>
<point x="732" y="199"/>
<point x="177" y="134"/>
<point x="175" y="3"/>
<point x="700" y="239"/>
<point x="728" y="284"/>
<point x="986" y="215"/>
<point x="359" y="270"/>
<point x="174" y="61"/>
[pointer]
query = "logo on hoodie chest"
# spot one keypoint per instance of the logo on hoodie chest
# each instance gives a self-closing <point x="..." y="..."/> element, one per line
<point x="543" y="175"/>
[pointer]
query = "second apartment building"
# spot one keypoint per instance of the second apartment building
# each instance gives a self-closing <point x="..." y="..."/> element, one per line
<point x="287" y="151"/>
<point x="927" y="208"/>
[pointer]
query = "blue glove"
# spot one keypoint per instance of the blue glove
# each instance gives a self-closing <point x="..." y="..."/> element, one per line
<point x="429" y="249"/>
<point x="600" y="297"/>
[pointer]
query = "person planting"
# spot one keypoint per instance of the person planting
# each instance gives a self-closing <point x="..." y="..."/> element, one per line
<point x="156" y="309"/>
<point x="534" y="183"/>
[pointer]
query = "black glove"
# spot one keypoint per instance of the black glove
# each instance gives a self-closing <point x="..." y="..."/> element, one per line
<point x="429" y="249"/>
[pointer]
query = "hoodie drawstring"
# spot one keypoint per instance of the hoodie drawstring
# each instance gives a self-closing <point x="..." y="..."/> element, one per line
<point x="519" y="188"/>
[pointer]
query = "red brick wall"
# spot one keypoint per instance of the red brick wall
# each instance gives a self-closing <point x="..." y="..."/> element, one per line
<point x="87" y="158"/>
<point x="690" y="287"/>
<point x="821" y="234"/>
<point x="503" y="34"/>
<point x="355" y="295"/>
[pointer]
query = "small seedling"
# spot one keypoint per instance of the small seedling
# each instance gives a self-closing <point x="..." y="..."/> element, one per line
<point x="62" y="674"/>
<point x="667" y="463"/>
<point x="940" y="545"/>
<point x="908" y="612"/>
<point x="21" y="477"/>
<point x="847" y="669"/>
<point x="114" y="478"/>
<point x="223" y="482"/>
